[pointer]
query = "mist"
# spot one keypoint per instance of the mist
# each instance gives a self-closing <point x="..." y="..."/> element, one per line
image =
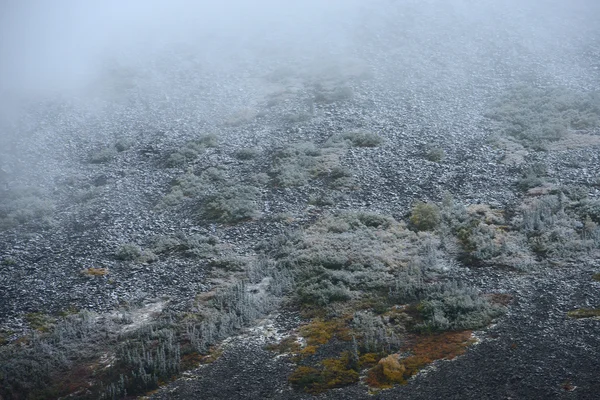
<point x="176" y="174"/>
<point x="63" y="45"/>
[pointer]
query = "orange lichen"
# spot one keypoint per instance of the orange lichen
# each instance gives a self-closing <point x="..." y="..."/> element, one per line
<point x="95" y="271"/>
<point x="425" y="350"/>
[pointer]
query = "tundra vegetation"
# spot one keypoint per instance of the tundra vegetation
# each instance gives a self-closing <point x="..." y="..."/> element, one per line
<point x="372" y="287"/>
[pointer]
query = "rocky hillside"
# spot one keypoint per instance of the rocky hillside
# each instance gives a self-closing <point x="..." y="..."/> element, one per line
<point x="322" y="225"/>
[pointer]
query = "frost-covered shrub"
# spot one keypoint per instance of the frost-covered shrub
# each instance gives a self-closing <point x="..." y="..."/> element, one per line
<point x="455" y="307"/>
<point x="246" y="153"/>
<point x="128" y="252"/>
<point x="25" y="205"/>
<point x="102" y="156"/>
<point x="434" y="154"/>
<point x="186" y="153"/>
<point x="373" y="335"/>
<point x="534" y="115"/>
<point x="232" y="204"/>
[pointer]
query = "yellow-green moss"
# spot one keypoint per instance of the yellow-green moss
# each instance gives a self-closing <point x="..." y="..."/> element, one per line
<point x="584" y="313"/>
<point x="330" y="373"/>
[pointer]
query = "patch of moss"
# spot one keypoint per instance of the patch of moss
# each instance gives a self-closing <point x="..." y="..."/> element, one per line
<point x="40" y="321"/>
<point x="596" y="277"/>
<point x="331" y="373"/>
<point x="319" y="331"/>
<point x="584" y="313"/>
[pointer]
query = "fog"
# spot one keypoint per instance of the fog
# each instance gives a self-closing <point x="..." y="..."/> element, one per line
<point x="61" y="45"/>
<point x="200" y="60"/>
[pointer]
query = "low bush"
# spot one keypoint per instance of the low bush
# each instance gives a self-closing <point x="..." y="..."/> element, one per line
<point x="102" y="156"/>
<point x="128" y="252"/>
<point x="434" y="154"/>
<point x="232" y="204"/>
<point x="455" y="307"/>
<point x="25" y="205"/>
<point x="425" y="216"/>
<point x="247" y="153"/>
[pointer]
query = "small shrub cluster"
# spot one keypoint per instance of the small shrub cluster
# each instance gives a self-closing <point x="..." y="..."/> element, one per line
<point x="483" y="235"/>
<point x="232" y="204"/>
<point x="455" y="307"/>
<point x="434" y="154"/>
<point x="20" y="206"/>
<point x="187" y="245"/>
<point x="557" y="227"/>
<point x="344" y="256"/>
<point x="298" y="164"/>
<point x="102" y="156"/>
<point x="212" y="196"/>
<point x="191" y="150"/>
<point x="374" y="335"/>
<point x="247" y="153"/>
<point x="537" y="115"/>
<point x="533" y="176"/>
<point x="132" y="252"/>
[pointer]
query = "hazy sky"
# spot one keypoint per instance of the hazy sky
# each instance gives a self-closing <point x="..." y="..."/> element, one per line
<point x="58" y="44"/>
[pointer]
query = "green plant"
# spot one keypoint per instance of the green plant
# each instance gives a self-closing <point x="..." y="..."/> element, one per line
<point x="363" y="139"/>
<point x="425" y="216"/>
<point x="246" y="153"/>
<point x="232" y="204"/>
<point x="435" y="154"/>
<point x="537" y="115"/>
<point x="102" y="156"/>
<point x="128" y="252"/>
